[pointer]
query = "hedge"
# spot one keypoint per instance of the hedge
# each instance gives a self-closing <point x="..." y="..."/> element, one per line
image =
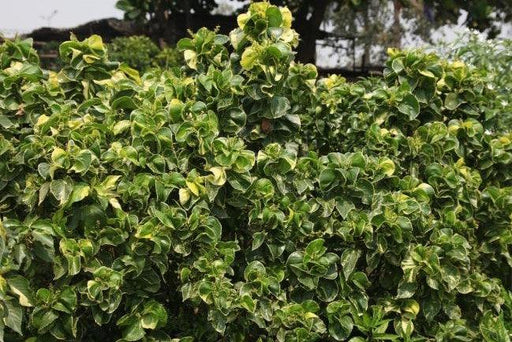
<point x="241" y="198"/>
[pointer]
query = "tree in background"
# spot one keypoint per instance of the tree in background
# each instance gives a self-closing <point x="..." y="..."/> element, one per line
<point x="166" y="19"/>
<point x="374" y="21"/>
<point x="378" y="24"/>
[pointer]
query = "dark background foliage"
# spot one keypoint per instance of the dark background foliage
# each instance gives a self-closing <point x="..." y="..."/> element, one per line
<point x="170" y="19"/>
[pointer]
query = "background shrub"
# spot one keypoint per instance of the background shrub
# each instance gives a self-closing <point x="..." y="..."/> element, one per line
<point x="168" y="58"/>
<point x="138" y="52"/>
<point x="142" y="54"/>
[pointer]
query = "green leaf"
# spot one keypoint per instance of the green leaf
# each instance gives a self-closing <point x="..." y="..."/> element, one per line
<point x="452" y="101"/>
<point x="327" y="290"/>
<point x="249" y="58"/>
<point x="258" y="239"/>
<point x="248" y="303"/>
<point x="360" y="280"/>
<point x="397" y="65"/>
<point x="21" y="288"/>
<point x="95" y="42"/>
<point x="254" y="270"/>
<point x="275" y="18"/>
<point x="409" y="106"/>
<point x="82" y="162"/>
<point x="218" y="321"/>
<point x="358" y="160"/>
<point x="279" y="106"/>
<point x="185" y="43"/>
<point x="175" y="109"/>
<point x="124" y="102"/>
<point x="184" y="196"/>
<point x="61" y="190"/>
<point x="5" y="122"/>
<point x="427" y="73"/>
<point x="59" y="157"/>
<point x="218" y="176"/>
<point x="316" y="248"/>
<point x="47" y="320"/>
<point x="406" y="289"/>
<point x="424" y="192"/>
<point x="121" y="126"/>
<point x="134" y="332"/>
<point x="430" y="308"/>
<point x="154" y="315"/>
<point x="348" y="261"/>
<point x="326" y="178"/>
<point x="14" y="318"/>
<point x="340" y="328"/>
<point x="264" y="188"/>
<point x="387" y="166"/>
<point x="74" y="264"/>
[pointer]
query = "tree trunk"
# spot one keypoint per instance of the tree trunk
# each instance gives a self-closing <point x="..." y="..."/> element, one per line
<point x="186" y="9"/>
<point x="309" y="28"/>
<point x="161" y="28"/>
<point x="365" y="62"/>
<point x="396" y="29"/>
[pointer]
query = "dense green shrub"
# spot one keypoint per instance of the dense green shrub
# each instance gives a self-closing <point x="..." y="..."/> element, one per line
<point x="168" y="58"/>
<point x="242" y="198"/>
<point x="142" y="54"/>
<point x="138" y="52"/>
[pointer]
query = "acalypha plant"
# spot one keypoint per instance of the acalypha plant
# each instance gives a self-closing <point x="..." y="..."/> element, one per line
<point x="242" y="198"/>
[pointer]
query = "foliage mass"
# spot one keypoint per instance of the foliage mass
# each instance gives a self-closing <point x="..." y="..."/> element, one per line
<point x="241" y="198"/>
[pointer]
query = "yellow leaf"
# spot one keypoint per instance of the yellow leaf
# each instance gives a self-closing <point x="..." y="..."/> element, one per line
<point x="95" y="42"/>
<point x="242" y="20"/>
<point x="115" y="203"/>
<point x="287" y="17"/>
<point x="193" y="188"/>
<point x="41" y="120"/>
<point x="219" y="176"/>
<point x="412" y="307"/>
<point x="249" y="58"/>
<point x="191" y="59"/>
<point x="387" y="166"/>
<point x="184" y="196"/>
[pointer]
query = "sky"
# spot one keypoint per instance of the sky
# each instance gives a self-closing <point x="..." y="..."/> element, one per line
<point x="22" y="16"/>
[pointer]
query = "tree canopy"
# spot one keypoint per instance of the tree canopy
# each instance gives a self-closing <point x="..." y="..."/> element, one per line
<point x="169" y="19"/>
